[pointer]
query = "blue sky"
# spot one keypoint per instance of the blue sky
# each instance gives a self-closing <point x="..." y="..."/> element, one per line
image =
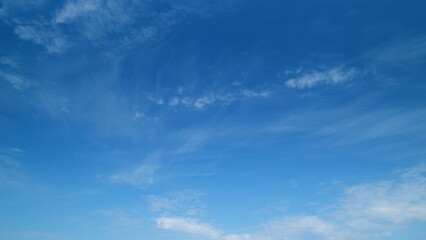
<point x="212" y="120"/>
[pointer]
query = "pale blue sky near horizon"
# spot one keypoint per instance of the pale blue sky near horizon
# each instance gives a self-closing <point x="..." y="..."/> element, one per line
<point x="212" y="120"/>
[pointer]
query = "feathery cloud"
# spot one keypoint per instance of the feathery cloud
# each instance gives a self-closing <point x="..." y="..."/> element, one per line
<point x="141" y="176"/>
<point x="75" y="9"/>
<point x="244" y="236"/>
<point x="300" y="227"/>
<point x="188" y="225"/>
<point x="9" y="61"/>
<point x="121" y="218"/>
<point x="182" y="202"/>
<point x="18" y="82"/>
<point x="309" y="79"/>
<point x="45" y="35"/>
<point x="10" y="172"/>
<point x="116" y="25"/>
<point x="206" y="100"/>
<point x="403" y="51"/>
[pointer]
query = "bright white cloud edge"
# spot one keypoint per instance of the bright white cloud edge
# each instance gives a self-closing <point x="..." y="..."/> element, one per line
<point x="373" y="210"/>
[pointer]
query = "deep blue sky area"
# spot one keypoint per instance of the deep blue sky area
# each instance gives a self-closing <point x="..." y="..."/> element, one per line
<point x="212" y="120"/>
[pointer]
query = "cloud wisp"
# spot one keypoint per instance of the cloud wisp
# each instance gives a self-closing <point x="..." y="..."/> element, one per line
<point x="182" y="202"/>
<point x="310" y="79"/>
<point x="188" y="225"/>
<point x="10" y="171"/>
<point x="403" y="51"/>
<point x="142" y="176"/>
<point x="206" y="100"/>
<point x="112" y="25"/>
<point x="355" y="124"/>
<point x="121" y="218"/>
<point x="10" y="61"/>
<point x="45" y="35"/>
<point x="16" y="81"/>
<point x="75" y="9"/>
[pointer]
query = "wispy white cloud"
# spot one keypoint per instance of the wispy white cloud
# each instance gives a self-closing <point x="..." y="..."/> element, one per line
<point x="45" y="35"/>
<point x="300" y="228"/>
<point x="201" y="229"/>
<point x="188" y="225"/>
<point x="309" y="79"/>
<point x="18" y="82"/>
<point x="182" y="202"/>
<point x="75" y="9"/>
<point x="376" y="125"/>
<point x="10" y="171"/>
<point x="193" y="140"/>
<point x="9" y="61"/>
<point x="244" y="236"/>
<point x="143" y="175"/>
<point x="290" y="227"/>
<point x="92" y="20"/>
<point x="115" y="25"/>
<point x="11" y="150"/>
<point x="209" y="99"/>
<point x="355" y="124"/>
<point x="11" y="7"/>
<point x="403" y="51"/>
<point x="101" y="22"/>
<point x="158" y="101"/>
<point x="139" y="115"/>
<point x="121" y="218"/>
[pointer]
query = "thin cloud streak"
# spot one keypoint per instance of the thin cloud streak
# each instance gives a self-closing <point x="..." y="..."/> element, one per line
<point x="16" y="81"/>
<point x="353" y="124"/>
<point x="142" y="175"/>
<point x="188" y="225"/>
<point x="10" y="61"/>
<point x="206" y="100"/>
<point x="10" y="171"/>
<point x="45" y="35"/>
<point x="310" y="79"/>
<point x="182" y="202"/>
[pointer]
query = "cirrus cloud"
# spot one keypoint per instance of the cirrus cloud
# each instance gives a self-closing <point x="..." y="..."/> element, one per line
<point x="309" y="79"/>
